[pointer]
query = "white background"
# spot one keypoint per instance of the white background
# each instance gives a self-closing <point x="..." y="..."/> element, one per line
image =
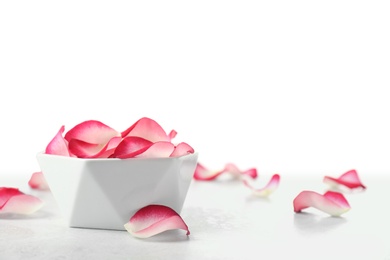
<point x="284" y="86"/>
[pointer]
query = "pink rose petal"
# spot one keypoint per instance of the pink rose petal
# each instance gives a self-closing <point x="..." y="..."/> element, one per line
<point x="333" y="203"/>
<point x="157" y="150"/>
<point x="182" y="149"/>
<point x="233" y="169"/>
<point x="16" y="202"/>
<point x="148" y="129"/>
<point x="172" y="134"/>
<point x="204" y="174"/>
<point x="131" y="146"/>
<point x="154" y="219"/>
<point x="87" y="150"/>
<point x="37" y="181"/>
<point x="350" y="179"/>
<point x="271" y="186"/>
<point x="93" y="132"/>
<point x="58" y="145"/>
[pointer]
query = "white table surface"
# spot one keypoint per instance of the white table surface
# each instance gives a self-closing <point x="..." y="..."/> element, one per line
<point x="226" y="222"/>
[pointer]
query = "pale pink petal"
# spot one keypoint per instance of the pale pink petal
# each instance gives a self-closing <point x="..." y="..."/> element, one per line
<point x="131" y="146"/>
<point x="92" y="131"/>
<point x="154" y="219"/>
<point x="271" y="186"/>
<point x="233" y="169"/>
<point x="182" y="149"/>
<point x="204" y="174"/>
<point x="37" y="181"/>
<point x="350" y="179"/>
<point x="157" y="150"/>
<point x="110" y="148"/>
<point x="58" y="145"/>
<point x="83" y="149"/>
<point x="16" y="202"/>
<point x="332" y="203"/>
<point x="148" y="129"/>
<point x="172" y="134"/>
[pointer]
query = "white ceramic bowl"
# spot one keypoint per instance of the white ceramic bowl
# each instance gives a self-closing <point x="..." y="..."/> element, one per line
<point x="105" y="193"/>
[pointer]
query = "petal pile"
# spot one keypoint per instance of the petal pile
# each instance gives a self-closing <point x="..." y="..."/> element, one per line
<point x="154" y="219"/>
<point x="332" y="203"/>
<point x="37" y="181"/>
<point x="350" y="179"/>
<point x="204" y="174"/>
<point x="12" y="200"/>
<point x="94" y="139"/>
<point x="265" y="191"/>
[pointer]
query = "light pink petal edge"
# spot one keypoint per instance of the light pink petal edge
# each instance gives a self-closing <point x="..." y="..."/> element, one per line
<point x="350" y="179"/>
<point x="271" y="186"/>
<point x="148" y="129"/>
<point x="332" y="203"/>
<point x="154" y="219"/>
<point x="58" y="145"/>
<point x="38" y="181"/>
<point x="157" y="150"/>
<point x="182" y="149"/>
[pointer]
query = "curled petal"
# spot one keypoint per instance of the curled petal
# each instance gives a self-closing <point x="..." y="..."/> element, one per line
<point x="148" y="129"/>
<point x="154" y="219"/>
<point x="37" y="181"/>
<point x="83" y="149"/>
<point x="58" y="145"/>
<point x="131" y="146"/>
<point x="333" y="203"/>
<point x="16" y="202"/>
<point x="271" y="186"/>
<point x="157" y="150"/>
<point x="350" y="179"/>
<point x="233" y="169"/>
<point x="93" y="132"/>
<point x="182" y="149"/>
<point x="204" y="174"/>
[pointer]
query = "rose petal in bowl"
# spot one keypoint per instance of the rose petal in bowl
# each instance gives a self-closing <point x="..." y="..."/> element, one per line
<point x="265" y="191"/>
<point x="58" y="145"/>
<point x="13" y="201"/>
<point x="350" y="179"/>
<point x="148" y="129"/>
<point x="154" y="219"/>
<point x="333" y="203"/>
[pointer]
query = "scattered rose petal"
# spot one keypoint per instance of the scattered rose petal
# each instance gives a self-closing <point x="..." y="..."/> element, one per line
<point x="16" y="202"/>
<point x="271" y="186"/>
<point x="37" y="181"/>
<point x="148" y="129"/>
<point x="182" y="149"/>
<point x="204" y="174"/>
<point x="350" y="179"/>
<point x="58" y="145"/>
<point x="154" y="219"/>
<point x="333" y="203"/>
<point x="233" y="169"/>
